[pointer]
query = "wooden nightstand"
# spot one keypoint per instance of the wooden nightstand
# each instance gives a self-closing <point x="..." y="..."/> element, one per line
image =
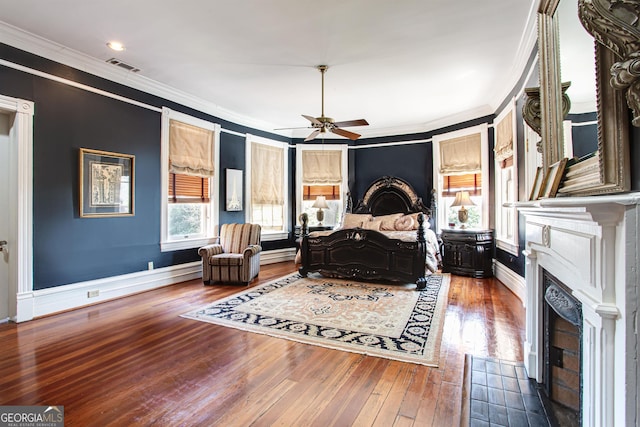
<point x="467" y="252"/>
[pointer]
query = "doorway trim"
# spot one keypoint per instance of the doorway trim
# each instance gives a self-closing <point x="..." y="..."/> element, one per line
<point x="21" y="204"/>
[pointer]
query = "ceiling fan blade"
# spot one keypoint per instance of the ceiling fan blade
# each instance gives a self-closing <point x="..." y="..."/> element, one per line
<point x="313" y="120"/>
<point x="313" y="135"/>
<point x="347" y="123"/>
<point x="346" y="133"/>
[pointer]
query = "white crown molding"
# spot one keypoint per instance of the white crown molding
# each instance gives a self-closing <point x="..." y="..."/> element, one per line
<point x="40" y="46"/>
<point x="45" y="48"/>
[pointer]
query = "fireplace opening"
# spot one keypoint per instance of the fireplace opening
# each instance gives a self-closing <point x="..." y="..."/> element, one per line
<point x="562" y="352"/>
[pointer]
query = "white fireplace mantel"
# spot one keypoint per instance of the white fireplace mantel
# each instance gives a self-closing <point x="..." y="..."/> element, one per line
<point x="591" y="245"/>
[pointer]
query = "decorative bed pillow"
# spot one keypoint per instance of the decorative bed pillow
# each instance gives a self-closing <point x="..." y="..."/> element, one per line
<point x="387" y="221"/>
<point x="355" y="220"/>
<point x="425" y="224"/>
<point x="404" y="223"/>
<point x="372" y="225"/>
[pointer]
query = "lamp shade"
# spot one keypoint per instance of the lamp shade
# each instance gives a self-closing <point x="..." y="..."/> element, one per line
<point x="462" y="199"/>
<point x="321" y="202"/>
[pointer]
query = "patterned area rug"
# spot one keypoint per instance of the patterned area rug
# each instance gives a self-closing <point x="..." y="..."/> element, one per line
<point x="385" y="320"/>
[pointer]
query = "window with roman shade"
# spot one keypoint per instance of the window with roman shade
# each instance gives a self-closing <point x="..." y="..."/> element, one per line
<point x="504" y="141"/>
<point x="267" y="180"/>
<point x="505" y="185"/>
<point x="191" y="162"/>
<point x="461" y="165"/>
<point x="321" y="174"/>
<point x="189" y="150"/>
<point x="267" y="167"/>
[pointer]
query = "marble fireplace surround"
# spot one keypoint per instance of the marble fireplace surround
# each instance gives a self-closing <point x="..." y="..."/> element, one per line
<point x="591" y="244"/>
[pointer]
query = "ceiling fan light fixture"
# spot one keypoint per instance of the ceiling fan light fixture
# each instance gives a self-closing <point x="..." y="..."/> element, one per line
<point x="323" y="124"/>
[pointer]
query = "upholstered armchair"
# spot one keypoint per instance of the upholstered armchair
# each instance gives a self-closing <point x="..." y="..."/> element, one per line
<point x="236" y="258"/>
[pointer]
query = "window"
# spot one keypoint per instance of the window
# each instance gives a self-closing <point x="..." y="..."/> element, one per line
<point x="461" y="164"/>
<point x="321" y="172"/>
<point x="506" y="181"/>
<point x="267" y="179"/>
<point x="189" y="151"/>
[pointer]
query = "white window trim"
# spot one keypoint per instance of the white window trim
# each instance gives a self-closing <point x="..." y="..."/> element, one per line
<point x="482" y="129"/>
<point x="344" y="186"/>
<point x="167" y="245"/>
<point x="269" y="235"/>
<point x="502" y="242"/>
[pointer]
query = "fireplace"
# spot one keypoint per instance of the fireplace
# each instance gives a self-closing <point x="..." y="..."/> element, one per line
<point x="585" y="252"/>
<point x="562" y="327"/>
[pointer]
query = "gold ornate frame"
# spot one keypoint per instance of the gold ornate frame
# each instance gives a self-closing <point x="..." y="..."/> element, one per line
<point x="107" y="185"/>
<point x="608" y="170"/>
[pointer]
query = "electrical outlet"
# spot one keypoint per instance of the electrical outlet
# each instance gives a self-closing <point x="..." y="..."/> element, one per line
<point x="150" y="265"/>
<point x="93" y="294"/>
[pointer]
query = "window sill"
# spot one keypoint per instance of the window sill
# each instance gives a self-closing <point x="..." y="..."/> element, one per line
<point x="507" y="246"/>
<point x="177" y="245"/>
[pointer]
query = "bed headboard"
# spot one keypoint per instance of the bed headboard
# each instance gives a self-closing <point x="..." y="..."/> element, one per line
<point x="389" y="195"/>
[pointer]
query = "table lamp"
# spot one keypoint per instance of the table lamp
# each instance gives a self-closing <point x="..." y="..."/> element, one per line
<point x="320" y="203"/>
<point x="462" y="199"/>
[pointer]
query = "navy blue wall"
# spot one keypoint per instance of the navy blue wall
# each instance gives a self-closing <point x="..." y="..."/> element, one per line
<point x="69" y="249"/>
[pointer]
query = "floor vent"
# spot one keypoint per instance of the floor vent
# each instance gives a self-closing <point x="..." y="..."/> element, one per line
<point x="124" y="65"/>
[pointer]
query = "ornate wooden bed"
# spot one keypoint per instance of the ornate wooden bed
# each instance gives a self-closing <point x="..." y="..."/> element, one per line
<point x="360" y="253"/>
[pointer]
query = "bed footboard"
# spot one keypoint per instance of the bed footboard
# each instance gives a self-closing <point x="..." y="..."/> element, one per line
<point x="364" y="254"/>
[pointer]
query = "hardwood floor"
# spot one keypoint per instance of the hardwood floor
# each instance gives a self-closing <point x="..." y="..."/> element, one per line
<point x="134" y="361"/>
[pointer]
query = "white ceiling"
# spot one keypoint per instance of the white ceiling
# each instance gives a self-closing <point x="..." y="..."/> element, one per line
<point x="407" y="65"/>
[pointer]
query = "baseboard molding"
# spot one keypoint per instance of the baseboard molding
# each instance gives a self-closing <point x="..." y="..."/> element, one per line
<point x="67" y="297"/>
<point x="277" y="255"/>
<point x="511" y="280"/>
<point x="45" y="302"/>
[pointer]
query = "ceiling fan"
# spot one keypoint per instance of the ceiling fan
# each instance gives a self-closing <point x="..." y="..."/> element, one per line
<point x="325" y="124"/>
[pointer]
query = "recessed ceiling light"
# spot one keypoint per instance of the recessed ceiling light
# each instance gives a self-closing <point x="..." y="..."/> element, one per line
<point x="116" y="46"/>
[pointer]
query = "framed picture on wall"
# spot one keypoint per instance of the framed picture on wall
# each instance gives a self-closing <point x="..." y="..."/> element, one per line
<point x="106" y="184"/>
<point x="234" y="190"/>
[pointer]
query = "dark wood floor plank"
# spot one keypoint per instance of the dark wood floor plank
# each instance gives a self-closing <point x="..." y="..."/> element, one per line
<point x="135" y="361"/>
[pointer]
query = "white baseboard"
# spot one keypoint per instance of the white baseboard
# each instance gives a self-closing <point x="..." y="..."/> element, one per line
<point x="277" y="255"/>
<point x="67" y="297"/>
<point x="511" y="280"/>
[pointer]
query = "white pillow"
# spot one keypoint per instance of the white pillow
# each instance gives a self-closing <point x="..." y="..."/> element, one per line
<point x="355" y="220"/>
<point x="388" y="221"/>
<point x="425" y="224"/>
<point x="404" y="223"/>
<point x="372" y="225"/>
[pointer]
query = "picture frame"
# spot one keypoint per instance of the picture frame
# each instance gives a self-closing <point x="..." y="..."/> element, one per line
<point x="552" y="179"/>
<point x="234" y="190"/>
<point x="537" y="184"/>
<point x="106" y="184"/>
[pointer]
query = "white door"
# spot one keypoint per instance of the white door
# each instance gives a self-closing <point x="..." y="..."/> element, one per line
<point x="4" y="215"/>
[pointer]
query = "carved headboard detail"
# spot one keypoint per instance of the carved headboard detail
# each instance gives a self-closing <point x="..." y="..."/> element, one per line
<point x="388" y="195"/>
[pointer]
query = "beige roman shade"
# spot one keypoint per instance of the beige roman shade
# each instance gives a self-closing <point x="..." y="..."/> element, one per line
<point x="321" y="167"/>
<point x="190" y="150"/>
<point x="504" y="139"/>
<point x="461" y="155"/>
<point x="267" y="168"/>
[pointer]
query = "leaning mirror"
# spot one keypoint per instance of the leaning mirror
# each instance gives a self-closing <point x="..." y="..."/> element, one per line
<point x="596" y="167"/>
